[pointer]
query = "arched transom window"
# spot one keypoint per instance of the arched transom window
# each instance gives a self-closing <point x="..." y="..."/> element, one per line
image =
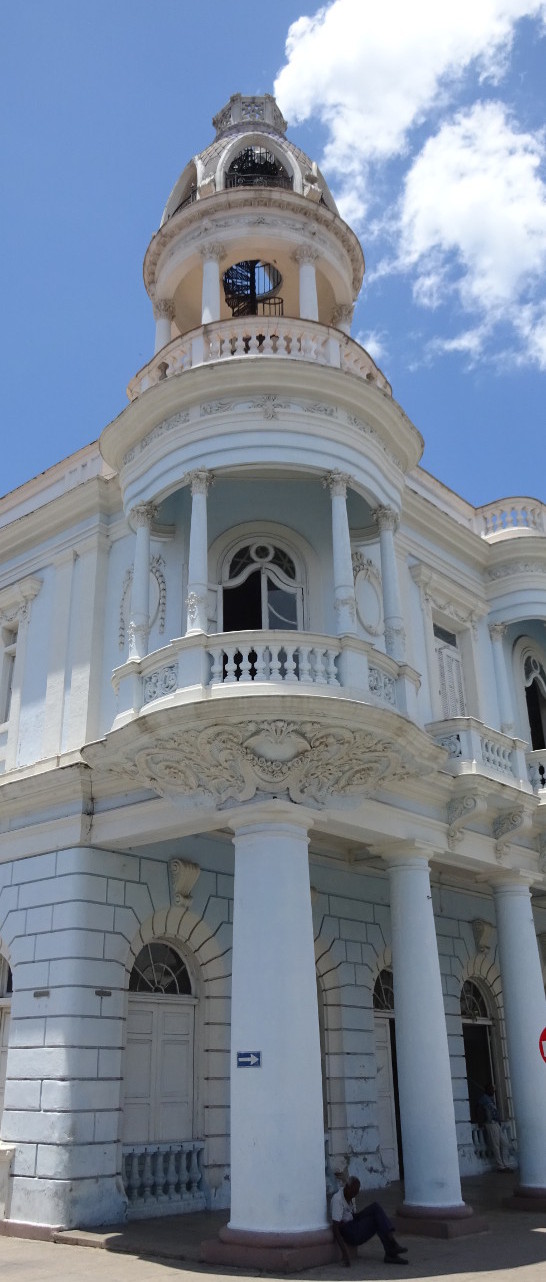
<point x="535" y="694"/>
<point x="473" y="1004"/>
<point x="261" y="589"/>
<point x="383" y="993"/>
<point x="159" y="969"/>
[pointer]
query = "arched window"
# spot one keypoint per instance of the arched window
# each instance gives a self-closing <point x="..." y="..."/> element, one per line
<point x="535" y="694"/>
<point x="159" y="969"/>
<point x="383" y="993"/>
<point x="261" y="589"/>
<point x="257" y="167"/>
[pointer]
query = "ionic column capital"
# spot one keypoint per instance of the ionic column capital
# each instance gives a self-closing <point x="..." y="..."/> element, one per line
<point x="336" y="482"/>
<point x="164" y="309"/>
<point x="213" y="253"/>
<point x="386" y="518"/>
<point x="199" y="480"/>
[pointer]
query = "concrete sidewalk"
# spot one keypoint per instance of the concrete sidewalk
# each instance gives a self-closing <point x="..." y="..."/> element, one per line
<point x="161" y="1250"/>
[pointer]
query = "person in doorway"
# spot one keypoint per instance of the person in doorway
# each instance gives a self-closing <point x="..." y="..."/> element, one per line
<point x="495" y="1136"/>
<point x="351" y="1227"/>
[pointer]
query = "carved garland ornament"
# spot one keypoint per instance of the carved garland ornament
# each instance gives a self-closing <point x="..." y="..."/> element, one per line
<point x="226" y="765"/>
<point x="157" y="570"/>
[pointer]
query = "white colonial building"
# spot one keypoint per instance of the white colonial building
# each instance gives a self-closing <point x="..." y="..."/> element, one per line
<point x="272" y="743"/>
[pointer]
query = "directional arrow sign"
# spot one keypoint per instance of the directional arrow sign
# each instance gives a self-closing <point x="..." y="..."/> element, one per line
<point x="249" y="1059"/>
<point x="542" y="1044"/>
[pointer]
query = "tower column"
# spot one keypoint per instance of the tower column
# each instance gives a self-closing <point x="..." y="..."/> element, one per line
<point x="344" y="588"/>
<point x="197" y="598"/>
<point x="306" y="257"/>
<point x="496" y="632"/>
<point x="525" y="1015"/>
<point x="277" y="1127"/>
<point x="211" y="294"/>
<point x="139" y="626"/>
<point x="427" y="1116"/>
<point x="395" y="637"/>
<point x="163" y="316"/>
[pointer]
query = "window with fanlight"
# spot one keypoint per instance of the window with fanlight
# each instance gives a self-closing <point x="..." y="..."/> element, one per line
<point x="261" y="589"/>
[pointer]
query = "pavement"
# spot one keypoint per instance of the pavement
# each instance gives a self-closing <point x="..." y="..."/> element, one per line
<point x="167" y="1249"/>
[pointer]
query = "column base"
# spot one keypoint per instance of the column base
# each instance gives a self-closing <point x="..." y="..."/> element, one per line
<point x="280" y="1252"/>
<point x="439" y="1221"/>
<point x="526" y="1199"/>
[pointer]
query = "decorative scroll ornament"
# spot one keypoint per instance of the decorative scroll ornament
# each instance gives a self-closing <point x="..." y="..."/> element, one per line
<point x="183" y="876"/>
<point x="157" y="570"/>
<point x="269" y="406"/>
<point x="225" y="765"/>
<point x="160" y="682"/>
<point x="460" y="810"/>
<point x="503" y="829"/>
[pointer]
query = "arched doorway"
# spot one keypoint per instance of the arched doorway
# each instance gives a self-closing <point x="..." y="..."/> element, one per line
<point x="388" y="1109"/>
<point x="478" y="1045"/>
<point x="159" y="1059"/>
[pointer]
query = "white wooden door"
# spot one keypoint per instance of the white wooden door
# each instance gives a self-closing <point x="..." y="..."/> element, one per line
<point x="386" y="1111"/>
<point x="158" y="1097"/>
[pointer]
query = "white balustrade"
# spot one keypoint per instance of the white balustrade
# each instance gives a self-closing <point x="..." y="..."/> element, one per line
<point x="273" y="656"/>
<point x="536" y="767"/>
<point x="471" y="744"/>
<point x="159" y="1178"/>
<point x="259" y="336"/>
<point x="507" y="515"/>
<point x="481" y="1144"/>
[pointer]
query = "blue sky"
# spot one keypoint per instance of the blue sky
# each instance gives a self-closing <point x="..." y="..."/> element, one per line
<point x="428" y="121"/>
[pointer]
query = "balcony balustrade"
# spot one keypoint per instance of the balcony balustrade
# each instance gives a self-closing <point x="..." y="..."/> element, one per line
<point x="263" y="336"/>
<point x="536" y="765"/>
<point x="477" y="749"/>
<point x="511" y="516"/>
<point x="216" y="666"/>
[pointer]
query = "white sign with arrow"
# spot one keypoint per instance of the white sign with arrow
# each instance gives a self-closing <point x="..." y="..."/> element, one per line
<point x="249" y="1059"/>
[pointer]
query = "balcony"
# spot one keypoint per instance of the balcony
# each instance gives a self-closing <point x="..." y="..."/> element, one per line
<point x="199" y="668"/>
<point x="511" y="517"/>
<point x="476" y="749"/>
<point x="263" y="337"/>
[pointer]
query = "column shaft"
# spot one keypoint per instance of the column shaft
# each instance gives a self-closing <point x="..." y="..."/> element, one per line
<point x="431" y="1165"/>
<point x="395" y="640"/>
<point x="308" y="291"/>
<point x="525" y="1015"/>
<point x="277" y="1128"/>
<point x="211" y="297"/>
<point x="197" y="598"/>
<point x="344" y="588"/>
<point x="496" y="632"/>
<point x="140" y="588"/>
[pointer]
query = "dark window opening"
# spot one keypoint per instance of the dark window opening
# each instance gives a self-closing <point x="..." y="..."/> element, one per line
<point x="535" y="704"/>
<point x="257" y="167"/>
<point x="251" y="288"/>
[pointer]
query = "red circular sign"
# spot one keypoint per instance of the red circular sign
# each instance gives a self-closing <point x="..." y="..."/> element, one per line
<point x="542" y="1044"/>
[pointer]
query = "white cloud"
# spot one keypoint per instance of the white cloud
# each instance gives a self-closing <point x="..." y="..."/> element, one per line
<point x="371" y="72"/>
<point x="473" y="213"/>
<point x="373" y="341"/>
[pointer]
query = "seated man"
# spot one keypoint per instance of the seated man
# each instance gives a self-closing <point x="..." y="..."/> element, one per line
<point x="351" y="1227"/>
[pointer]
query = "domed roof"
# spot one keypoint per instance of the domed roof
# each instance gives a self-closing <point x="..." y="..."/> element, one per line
<point x="253" y="128"/>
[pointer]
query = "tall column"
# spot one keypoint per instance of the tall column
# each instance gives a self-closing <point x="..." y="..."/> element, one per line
<point x="139" y="626"/>
<point x="427" y="1116"/>
<point x="525" y="1016"/>
<point x="210" y="298"/>
<point x="496" y="632"/>
<point x="198" y="577"/>
<point x="395" y="637"/>
<point x="163" y="316"/>
<point x="277" y="1127"/>
<point x="306" y="257"/>
<point x="344" y="588"/>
